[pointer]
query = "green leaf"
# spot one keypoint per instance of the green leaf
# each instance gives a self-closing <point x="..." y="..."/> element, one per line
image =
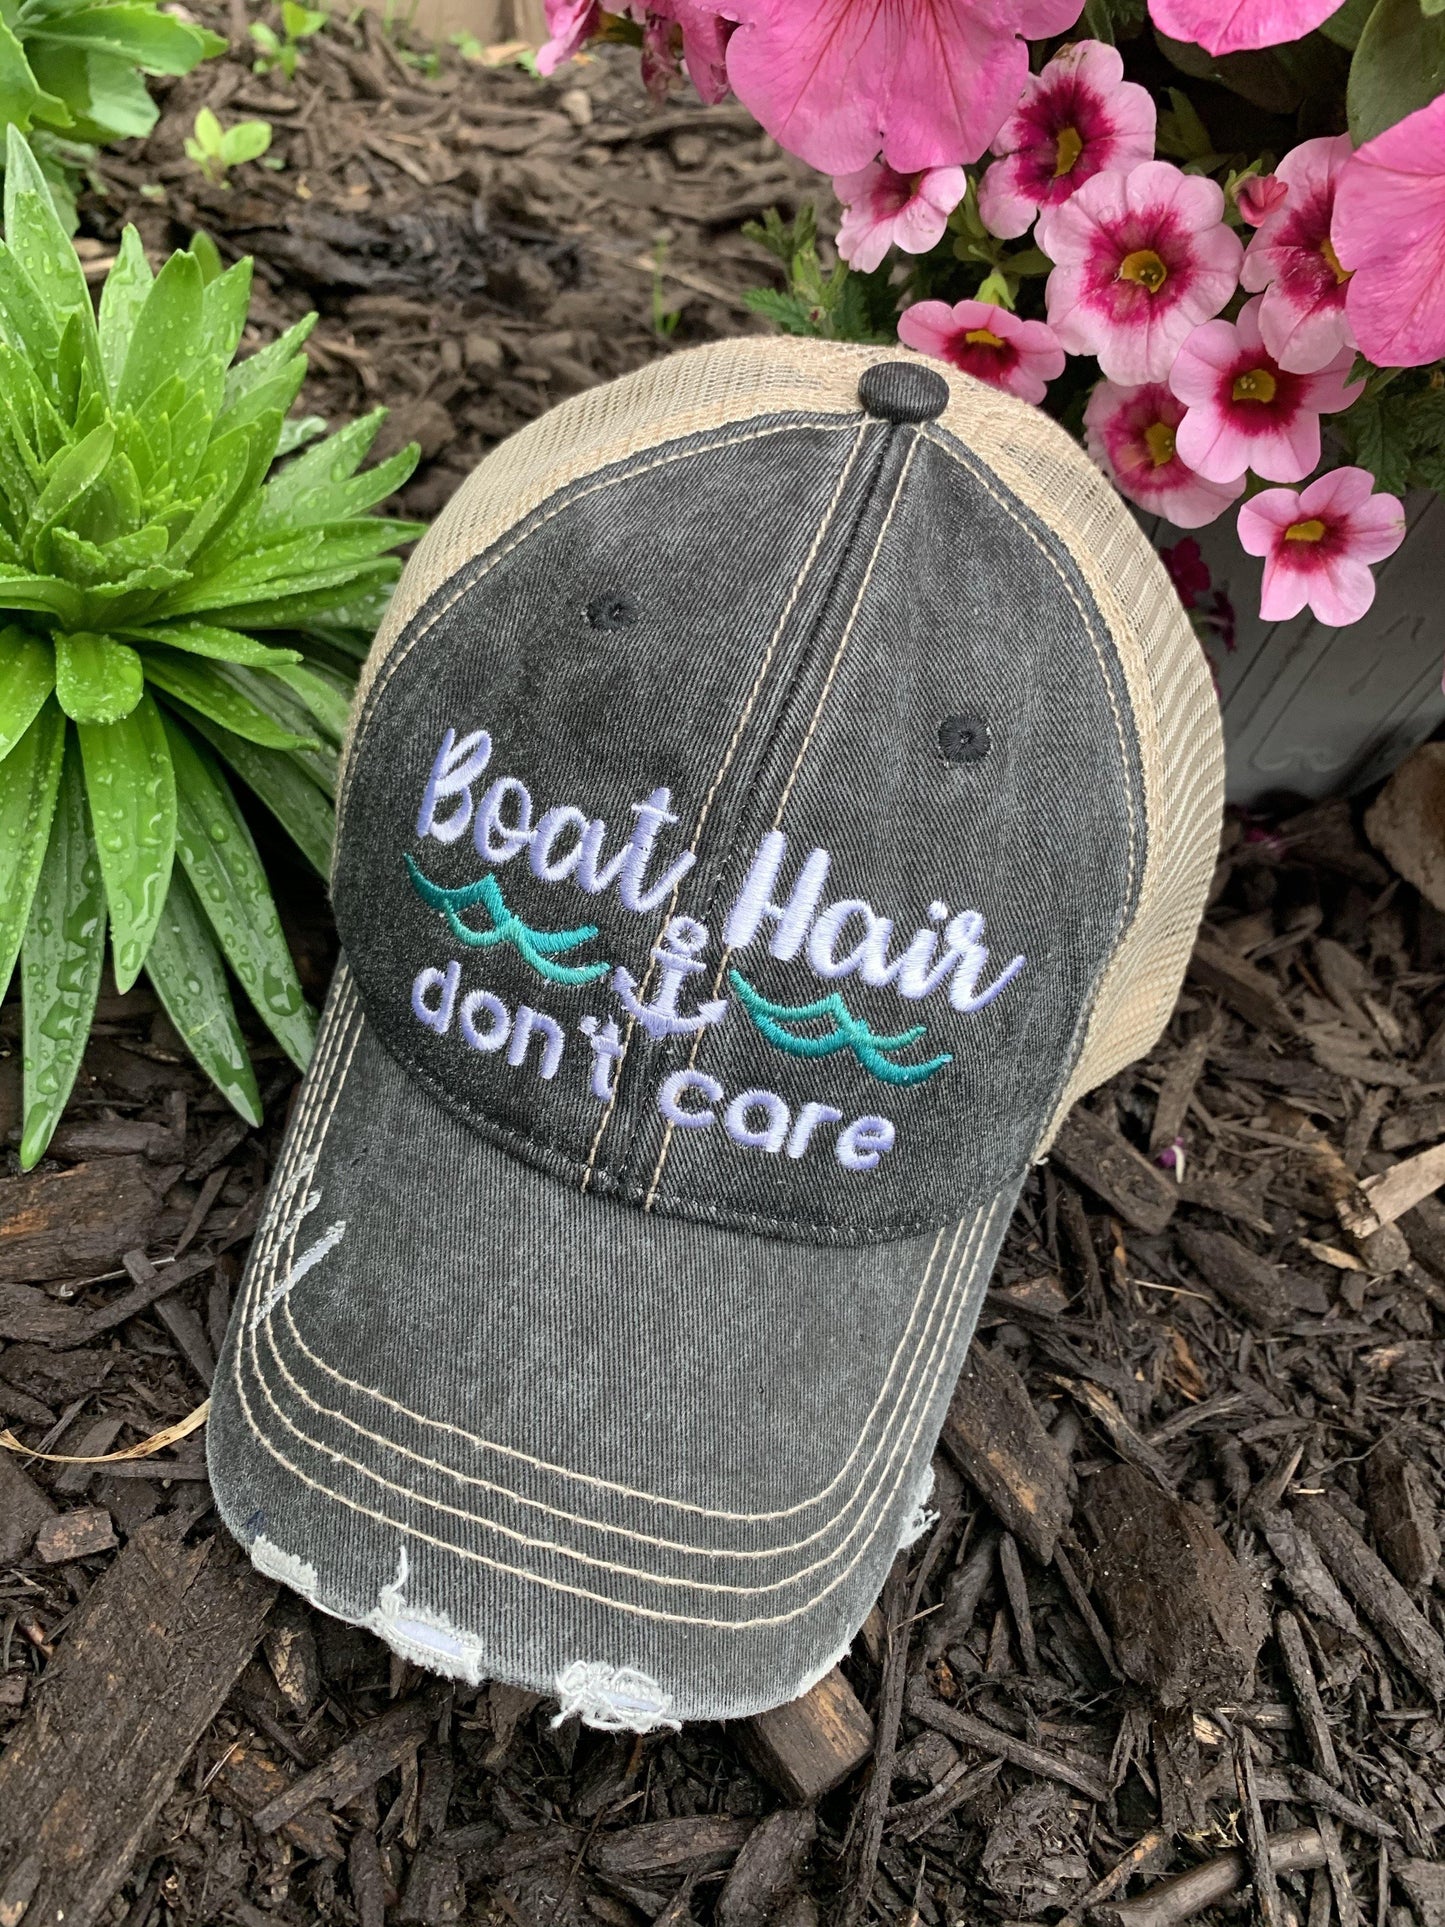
<point x="322" y="485"/>
<point x="45" y="594"/>
<point x="221" y="645"/>
<point x="121" y="301"/>
<point x="107" y="98"/>
<point x="27" y="676"/>
<point x="60" y="963"/>
<point x="216" y="850"/>
<point x="214" y="690"/>
<point x="166" y="331"/>
<point x="1399" y="67"/>
<point x="190" y="980"/>
<point x="22" y="98"/>
<point x="278" y="780"/>
<point x="29" y="780"/>
<point x="327" y="696"/>
<point x="1347" y="23"/>
<point x="97" y="680"/>
<point x="142" y="36"/>
<point x="35" y="237"/>
<point x="246" y="141"/>
<point x="267" y="362"/>
<point x="68" y="477"/>
<point x="132" y="792"/>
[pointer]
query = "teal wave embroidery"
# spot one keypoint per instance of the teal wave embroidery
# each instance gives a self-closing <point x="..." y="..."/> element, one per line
<point x="849" y="1033"/>
<point x="539" y="947"/>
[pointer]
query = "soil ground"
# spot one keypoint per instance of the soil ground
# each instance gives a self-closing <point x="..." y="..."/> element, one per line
<point x="1180" y="1614"/>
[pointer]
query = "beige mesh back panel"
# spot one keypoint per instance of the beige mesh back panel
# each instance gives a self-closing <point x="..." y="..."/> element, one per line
<point x="1175" y="714"/>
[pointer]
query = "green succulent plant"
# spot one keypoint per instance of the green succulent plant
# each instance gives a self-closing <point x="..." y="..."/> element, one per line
<point x="72" y="74"/>
<point x="147" y="542"/>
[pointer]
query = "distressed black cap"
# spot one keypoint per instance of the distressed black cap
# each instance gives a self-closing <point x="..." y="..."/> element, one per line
<point x="783" y="783"/>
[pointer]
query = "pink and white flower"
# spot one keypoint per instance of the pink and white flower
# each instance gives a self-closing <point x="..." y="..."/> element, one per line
<point x="1141" y="259"/>
<point x="1292" y="259"/>
<point x="987" y="342"/>
<point x="882" y="209"/>
<point x="924" y="83"/>
<point x="1389" y="230"/>
<point x="1132" y="434"/>
<point x="1243" y="411"/>
<point x="1232" y="26"/>
<point x="1318" y="545"/>
<point x="570" y="25"/>
<point x="674" y="32"/>
<point x="1077" y="118"/>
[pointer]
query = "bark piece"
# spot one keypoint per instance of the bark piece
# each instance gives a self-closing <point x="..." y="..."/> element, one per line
<point x="993" y="1435"/>
<point x="959" y="1785"/>
<point x="24" y="1509"/>
<point x="64" y="1224"/>
<point x="1091" y="1151"/>
<point x="1424" y="1882"/>
<point x="146" y="1662"/>
<point x="1247" y="989"/>
<point x="766" y="1869"/>
<point x="999" y="1745"/>
<point x="1377" y="1592"/>
<point x="1190" y="1893"/>
<point x="1306" y="1694"/>
<point x="1267" y="1294"/>
<point x="1187" y="1622"/>
<point x="27" y="1316"/>
<point x="702" y="1844"/>
<point x="1402" y="1515"/>
<point x="380" y="1745"/>
<point x="434" y="1893"/>
<point x="248" y="1780"/>
<point x="1406" y="822"/>
<point x="75" y="1535"/>
<point x="812" y="1744"/>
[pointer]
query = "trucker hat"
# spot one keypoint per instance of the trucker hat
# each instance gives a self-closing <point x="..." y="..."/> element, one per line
<point x="784" y="781"/>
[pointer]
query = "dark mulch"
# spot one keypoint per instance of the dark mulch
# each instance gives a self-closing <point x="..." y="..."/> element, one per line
<point x="1178" y="1616"/>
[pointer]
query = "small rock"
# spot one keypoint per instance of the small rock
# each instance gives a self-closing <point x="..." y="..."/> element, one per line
<point x="576" y="104"/>
<point x="484" y="353"/>
<point x="1406" y="822"/>
<point x="688" y="150"/>
<point x="75" y="1535"/>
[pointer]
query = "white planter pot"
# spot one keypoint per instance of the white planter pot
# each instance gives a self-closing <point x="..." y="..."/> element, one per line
<point x="1317" y="711"/>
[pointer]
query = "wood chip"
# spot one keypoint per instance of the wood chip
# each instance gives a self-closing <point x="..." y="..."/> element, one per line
<point x="812" y="1744"/>
<point x="1099" y="1157"/>
<point x="65" y="1224"/>
<point x="74" y="1535"/>
<point x="993" y="1435"/>
<point x="1377" y="1592"/>
<point x="998" y="1745"/>
<point x="1402" y="1516"/>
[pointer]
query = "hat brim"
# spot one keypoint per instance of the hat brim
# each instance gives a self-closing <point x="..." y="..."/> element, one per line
<point x="655" y="1466"/>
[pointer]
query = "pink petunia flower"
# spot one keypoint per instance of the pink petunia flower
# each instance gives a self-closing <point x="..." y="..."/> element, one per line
<point x="1389" y="229"/>
<point x="1242" y="410"/>
<point x="570" y="24"/>
<point x="1232" y="26"/>
<point x="985" y="341"/>
<point x="1078" y="118"/>
<point x="1259" y="196"/>
<point x="1291" y="258"/>
<point x="926" y="83"/>
<point x="1131" y="434"/>
<point x="1318" y="545"/>
<point x="675" y="33"/>
<point x="882" y="209"/>
<point x="1141" y="258"/>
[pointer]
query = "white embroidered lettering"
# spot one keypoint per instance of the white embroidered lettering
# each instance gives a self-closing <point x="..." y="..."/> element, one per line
<point x="530" y="1023"/>
<point x="669" y="1098"/>
<point x="606" y="1042"/>
<point x="593" y="874"/>
<point x="872" y="944"/>
<point x="809" y="1118"/>
<point x="438" y="1016"/>
<point x="495" y="838"/>
<point x="651" y="816"/>
<point x="962" y="940"/>
<point x="754" y="903"/>
<point x="766" y="1137"/>
<point x="862" y="1143"/>
<point x="552" y="869"/>
<point x="457" y="766"/>
<point x="493" y="1038"/>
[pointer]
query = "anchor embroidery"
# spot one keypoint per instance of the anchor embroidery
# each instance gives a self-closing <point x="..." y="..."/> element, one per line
<point x="677" y="957"/>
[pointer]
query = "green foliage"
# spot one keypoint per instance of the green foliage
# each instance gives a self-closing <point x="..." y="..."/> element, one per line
<point x="1399" y="66"/>
<point x="72" y="75"/>
<point x="172" y="602"/>
<point x="835" y="303"/>
<point x="215" y="149"/>
<point x="1397" y="429"/>
<point x="1115" y="20"/>
<point x="282" y="52"/>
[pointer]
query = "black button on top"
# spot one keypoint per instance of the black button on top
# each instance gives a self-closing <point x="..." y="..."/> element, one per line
<point x="903" y="391"/>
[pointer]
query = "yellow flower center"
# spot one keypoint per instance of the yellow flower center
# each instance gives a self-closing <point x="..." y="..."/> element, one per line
<point x="983" y="338"/>
<point x="1144" y="267"/>
<point x="1159" y="439"/>
<point x="1255" y="384"/>
<point x="1067" y="149"/>
<point x="1327" y="249"/>
<point x="1311" y="531"/>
